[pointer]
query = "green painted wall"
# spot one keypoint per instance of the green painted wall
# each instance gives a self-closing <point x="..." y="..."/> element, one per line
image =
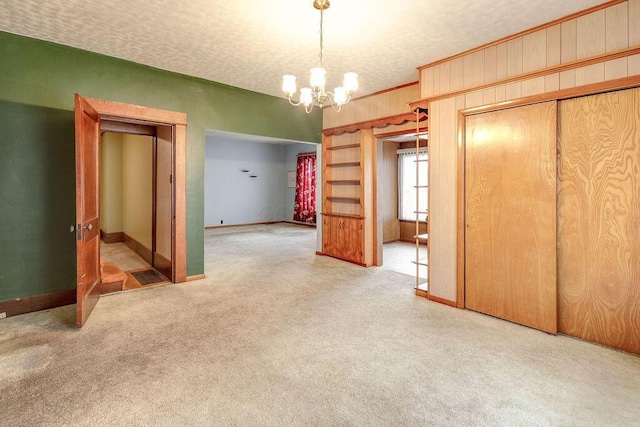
<point x="37" y="200"/>
<point x="35" y="74"/>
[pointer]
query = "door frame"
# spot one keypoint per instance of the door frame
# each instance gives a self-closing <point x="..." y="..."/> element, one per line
<point x="591" y="89"/>
<point x="129" y="113"/>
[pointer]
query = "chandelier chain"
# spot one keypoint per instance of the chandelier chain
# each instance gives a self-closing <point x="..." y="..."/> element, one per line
<point x="321" y="41"/>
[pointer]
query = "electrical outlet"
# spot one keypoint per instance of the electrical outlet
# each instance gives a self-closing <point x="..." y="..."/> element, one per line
<point x="3" y="315"/>
<point x="258" y="218"/>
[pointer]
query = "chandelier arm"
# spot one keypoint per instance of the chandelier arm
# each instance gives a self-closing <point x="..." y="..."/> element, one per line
<point x="308" y="108"/>
<point x="330" y="96"/>
<point x="295" y="104"/>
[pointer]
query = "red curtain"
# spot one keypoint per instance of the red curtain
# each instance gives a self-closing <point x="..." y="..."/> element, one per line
<point x="305" y="204"/>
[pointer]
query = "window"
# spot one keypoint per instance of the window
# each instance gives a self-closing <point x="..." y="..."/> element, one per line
<point x="407" y="184"/>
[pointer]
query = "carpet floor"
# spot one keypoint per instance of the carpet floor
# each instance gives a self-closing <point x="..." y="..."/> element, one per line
<point x="276" y="335"/>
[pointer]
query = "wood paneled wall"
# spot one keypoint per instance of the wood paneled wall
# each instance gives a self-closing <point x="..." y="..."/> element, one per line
<point x="544" y="60"/>
<point x="598" y="46"/>
<point x="384" y="104"/>
<point x="389" y="185"/>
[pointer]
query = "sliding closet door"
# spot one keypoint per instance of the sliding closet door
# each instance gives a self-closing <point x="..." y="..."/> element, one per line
<point x="599" y="219"/>
<point x="510" y="214"/>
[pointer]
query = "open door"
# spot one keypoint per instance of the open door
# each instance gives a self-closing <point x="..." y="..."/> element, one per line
<point x="87" y="208"/>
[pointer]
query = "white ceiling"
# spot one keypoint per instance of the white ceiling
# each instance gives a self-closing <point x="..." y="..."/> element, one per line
<point x="252" y="43"/>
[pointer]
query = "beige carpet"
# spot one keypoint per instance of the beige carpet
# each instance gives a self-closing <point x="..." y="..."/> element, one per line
<point x="278" y="336"/>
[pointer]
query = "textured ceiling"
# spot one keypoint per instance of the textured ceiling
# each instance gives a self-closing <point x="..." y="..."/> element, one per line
<point x="252" y="43"/>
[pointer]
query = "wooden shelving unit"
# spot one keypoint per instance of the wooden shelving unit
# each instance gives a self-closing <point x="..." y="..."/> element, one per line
<point x="343" y="209"/>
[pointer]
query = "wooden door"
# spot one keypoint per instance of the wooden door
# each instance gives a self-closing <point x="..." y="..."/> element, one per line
<point x="87" y="127"/>
<point x="163" y="202"/>
<point x="599" y="219"/>
<point x="510" y="214"/>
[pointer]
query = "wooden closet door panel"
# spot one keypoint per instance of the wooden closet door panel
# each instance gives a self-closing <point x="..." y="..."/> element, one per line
<point x="599" y="219"/>
<point x="510" y="237"/>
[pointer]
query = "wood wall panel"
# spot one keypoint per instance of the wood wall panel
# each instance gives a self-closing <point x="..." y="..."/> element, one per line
<point x="390" y="222"/>
<point x="553" y="45"/>
<point x="474" y="69"/>
<point x="534" y="51"/>
<point x="501" y="93"/>
<point x="567" y="79"/>
<point x="384" y="104"/>
<point x="514" y="57"/>
<point x="456" y="74"/>
<point x="442" y="202"/>
<point x="533" y="86"/>
<point x="513" y="90"/>
<point x="634" y="22"/>
<point x="489" y="96"/>
<point x="445" y="77"/>
<point x="633" y="66"/>
<point x="616" y="69"/>
<point x="599" y="219"/>
<point x="552" y="82"/>
<point x="589" y="74"/>
<point x="473" y="99"/>
<point x="408" y="230"/>
<point x="568" y="41"/>
<point x="617" y="27"/>
<point x="427" y="83"/>
<point x="501" y="61"/>
<point x="491" y="64"/>
<point x="591" y="34"/>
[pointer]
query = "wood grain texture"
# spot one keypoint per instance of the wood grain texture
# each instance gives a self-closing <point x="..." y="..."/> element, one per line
<point x="591" y="35"/>
<point x="599" y="219"/>
<point x="390" y="222"/>
<point x="87" y="126"/>
<point x="474" y="68"/>
<point x="510" y="241"/>
<point x="534" y="51"/>
<point x="617" y="27"/>
<point x="442" y="196"/>
<point x="568" y="41"/>
<point x="634" y="22"/>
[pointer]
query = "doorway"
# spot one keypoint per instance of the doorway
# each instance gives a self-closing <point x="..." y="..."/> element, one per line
<point x="396" y="194"/>
<point x="90" y="113"/>
<point x="135" y="206"/>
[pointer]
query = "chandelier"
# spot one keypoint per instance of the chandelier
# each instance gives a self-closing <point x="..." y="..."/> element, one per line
<point x="316" y="94"/>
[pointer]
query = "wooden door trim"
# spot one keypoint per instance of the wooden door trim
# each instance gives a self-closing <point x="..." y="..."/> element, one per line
<point x="117" y="111"/>
<point x="592" y="89"/>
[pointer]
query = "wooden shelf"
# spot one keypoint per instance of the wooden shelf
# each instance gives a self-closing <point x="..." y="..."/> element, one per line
<point x="343" y="164"/>
<point x="420" y="212"/>
<point x="420" y="186"/>
<point x="344" y="199"/>
<point x="342" y="215"/>
<point x="343" y="181"/>
<point x="343" y="147"/>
